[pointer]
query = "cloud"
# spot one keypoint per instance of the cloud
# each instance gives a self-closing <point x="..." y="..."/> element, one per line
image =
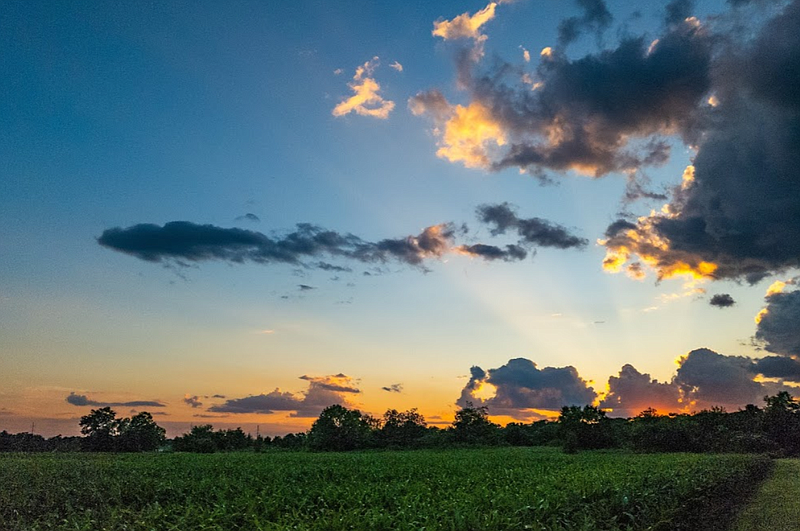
<point x="249" y="217"/>
<point x="193" y="401"/>
<point x="321" y="393"/>
<point x="779" y="367"/>
<point x="704" y="379"/>
<point x="305" y="287"/>
<point x="631" y="392"/>
<point x="5" y="412"/>
<point x="677" y="11"/>
<point x="729" y="95"/>
<point x="467" y="134"/>
<point x="707" y="378"/>
<point x="334" y="268"/>
<point x="722" y="300"/>
<point x="397" y="66"/>
<point x="596" y="17"/>
<point x="181" y="242"/>
<point x="338" y="383"/>
<point x="365" y="100"/>
<point x="778" y="325"/>
<point x="736" y="216"/>
<point x="394" y="388"/>
<point x="465" y="26"/>
<point x="520" y="386"/>
<point x="532" y="231"/>
<point x="511" y="253"/>
<point x="83" y="400"/>
<point x="595" y="114"/>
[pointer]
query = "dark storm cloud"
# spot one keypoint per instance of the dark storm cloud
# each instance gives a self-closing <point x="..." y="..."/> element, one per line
<point x="321" y="393"/>
<point x="502" y="218"/>
<point x="779" y="324"/>
<point x="596" y="17"/>
<point x="726" y="87"/>
<point x="394" y="388"/>
<point x="520" y="385"/>
<point x="249" y="217"/>
<point x="677" y="11"/>
<point x="595" y="103"/>
<point x="741" y="210"/>
<point x="712" y="379"/>
<point x="722" y="300"/>
<point x="596" y="114"/>
<point x="83" y="400"/>
<point x="778" y="367"/>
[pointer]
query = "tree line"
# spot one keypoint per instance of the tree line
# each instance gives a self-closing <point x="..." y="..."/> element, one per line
<point x="773" y="428"/>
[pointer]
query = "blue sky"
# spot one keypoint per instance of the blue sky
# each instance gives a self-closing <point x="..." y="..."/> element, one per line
<point x="221" y="115"/>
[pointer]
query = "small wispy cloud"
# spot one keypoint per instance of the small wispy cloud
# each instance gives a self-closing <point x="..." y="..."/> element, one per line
<point x="366" y="100"/>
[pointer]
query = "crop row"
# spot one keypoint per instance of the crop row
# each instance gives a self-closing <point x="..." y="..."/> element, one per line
<point x="470" y="489"/>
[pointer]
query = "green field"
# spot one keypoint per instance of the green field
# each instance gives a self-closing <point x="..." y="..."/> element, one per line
<point x="459" y="490"/>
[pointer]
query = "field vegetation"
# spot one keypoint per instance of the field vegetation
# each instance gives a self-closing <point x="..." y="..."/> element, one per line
<point x="455" y="489"/>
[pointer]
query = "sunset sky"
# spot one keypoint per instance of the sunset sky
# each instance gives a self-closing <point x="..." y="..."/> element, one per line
<point x="240" y="212"/>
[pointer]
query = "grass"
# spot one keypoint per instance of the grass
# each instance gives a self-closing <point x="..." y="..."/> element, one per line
<point x="458" y="490"/>
<point x="776" y="506"/>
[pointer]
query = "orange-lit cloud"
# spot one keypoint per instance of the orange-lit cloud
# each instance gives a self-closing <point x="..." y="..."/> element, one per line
<point x="466" y="134"/>
<point x="366" y="101"/>
<point x="641" y="244"/>
<point x="465" y="26"/>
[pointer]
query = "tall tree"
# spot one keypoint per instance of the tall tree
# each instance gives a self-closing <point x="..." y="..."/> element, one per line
<point x="100" y="426"/>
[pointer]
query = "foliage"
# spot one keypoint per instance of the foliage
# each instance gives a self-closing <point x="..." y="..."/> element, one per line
<point x="472" y="426"/>
<point x="339" y="428"/>
<point x="774" y="429"/>
<point x="101" y="427"/>
<point x="402" y="429"/>
<point x="463" y="489"/>
<point x="106" y="433"/>
<point x="203" y="439"/>
<point x="584" y="428"/>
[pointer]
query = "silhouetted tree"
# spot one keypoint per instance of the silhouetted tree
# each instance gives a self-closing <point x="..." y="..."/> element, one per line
<point x="200" y="439"/>
<point x="100" y="426"/>
<point x="782" y="421"/>
<point x="402" y="429"/>
<point x="584" y="428"/>
<point x="140" y="433"/>
<point x="339" y="428"/>
<point x="472" y="425"/>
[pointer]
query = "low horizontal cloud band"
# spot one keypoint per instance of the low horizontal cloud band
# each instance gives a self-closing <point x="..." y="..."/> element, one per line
<point x="183" y="242"/>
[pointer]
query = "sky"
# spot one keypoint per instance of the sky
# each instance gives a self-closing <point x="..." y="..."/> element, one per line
<point x="240" y="213"/>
